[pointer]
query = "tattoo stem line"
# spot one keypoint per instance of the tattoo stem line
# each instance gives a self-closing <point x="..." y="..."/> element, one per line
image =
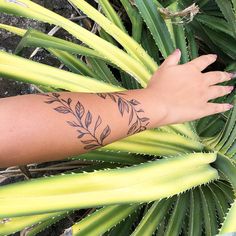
<point x="94" y="141"/>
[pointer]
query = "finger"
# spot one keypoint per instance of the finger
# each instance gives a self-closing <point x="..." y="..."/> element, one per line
<point x="215" y="77"/>
<point x="219" y="91"/>
<point x="172" y="59"/>
<point x="214" y="108"/>
<point x="203" y="62"/>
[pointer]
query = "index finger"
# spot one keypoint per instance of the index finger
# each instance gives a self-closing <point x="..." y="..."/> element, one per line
<point x="203" y="62"/>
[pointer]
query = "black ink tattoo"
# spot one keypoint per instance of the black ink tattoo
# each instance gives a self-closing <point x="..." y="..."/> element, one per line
<point x="84" y="127"/>
<point x="136" y="122"/>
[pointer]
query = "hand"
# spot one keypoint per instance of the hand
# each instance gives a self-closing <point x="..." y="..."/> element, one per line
<point x="185" y="90"/>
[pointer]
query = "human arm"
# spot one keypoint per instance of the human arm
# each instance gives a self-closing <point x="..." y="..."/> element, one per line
<point x="53" y="126"/>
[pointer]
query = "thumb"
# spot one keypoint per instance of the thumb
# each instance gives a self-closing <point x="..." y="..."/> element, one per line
<point x="172" y="59"/>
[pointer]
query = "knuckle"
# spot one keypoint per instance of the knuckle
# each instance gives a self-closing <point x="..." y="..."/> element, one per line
<point x="193" y="66"/>
<point x="221" y="76"/>
<point x="210" y="58"/>
<point x="205" y="82"/>
<point x="224" y="76"/>
<point x="202" y="92"/>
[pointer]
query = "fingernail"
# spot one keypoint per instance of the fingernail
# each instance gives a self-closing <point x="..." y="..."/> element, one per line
<point x="231" y="88"/>
<point x="230" y="106"/>
<point x="214" y="55"/>
<point x="177" y="51"/>
<point x="230" y="75"/>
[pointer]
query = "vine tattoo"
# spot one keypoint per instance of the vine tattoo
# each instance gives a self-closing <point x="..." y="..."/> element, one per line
<point x="136" y="122"/>
<point x="82" y="121"/>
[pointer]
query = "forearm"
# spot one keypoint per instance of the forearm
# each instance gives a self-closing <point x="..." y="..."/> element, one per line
<point x="45" y="127"/>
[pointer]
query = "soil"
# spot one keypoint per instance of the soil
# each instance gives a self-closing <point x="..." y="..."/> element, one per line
<point x="10" y="41"/>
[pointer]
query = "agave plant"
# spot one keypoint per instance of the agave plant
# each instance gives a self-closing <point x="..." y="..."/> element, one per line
<point x="176" y="179"/>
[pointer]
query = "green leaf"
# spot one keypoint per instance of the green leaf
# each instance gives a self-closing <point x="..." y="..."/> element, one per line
<point x="133" y="66"/>
<point x="220" y="200"/>
<point x="111" y="14"/>
<point x="209" y="230"/>
<point x="201" y="3"/>
<point x="195" y="222"/>
<point x="73" y="63"/>
<point x="111" y="157"/>
<point x="229" y="225"/>
<point x="167" y="3"/>
<point x="115" y="186"/>
<point x="126" y="225"/>
<point x="226" y="189"/>
<point x="21" y="69"/>
<point x="131" y="46"/>
<point x="156" y="25"/>
<point x="185" y="129"/>
<point x="128" y="81"/>
<point x="153" y="217"/>
<point x="209" y="128"/>
<point x="102" y="220"/>
<point x="154" y="142"/>
<point x="149" y="45"/>
<point x="219" y="207"/>
<point x="231" y="67"/>
<point x="104" y="35"/>
<point x="227" y="45"/>
<point x="231" y="151"/>
<point x="13" y="29"/>
<point x="177" y="216"/>
<point x="102" y="71"/>
<point x="34" y="38"/>
<point x="215" y="23"/>
<point x="206" y="43"/>
<point x="16" y="224"/>
<point x="227" y="168"/>
<point x="227" y="10"/>
<point x="46" y="224"/>
<point x="192" y="45"/>
<point x="38" y="39"/>
<point x="209" y="210"/>
<point x="229" y="146"/>
<point x="225" y="134"/>
<point x="179" y="35"/>
<point x="234" y="6"/>
<point x="135" y="18"/>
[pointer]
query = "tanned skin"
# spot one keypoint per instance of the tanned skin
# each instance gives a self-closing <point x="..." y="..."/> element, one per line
<point x="53" y="126"/>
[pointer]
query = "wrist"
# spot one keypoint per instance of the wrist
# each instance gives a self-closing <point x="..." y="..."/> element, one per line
<point x="153" y="106"/>
<point x="158" y="110"/>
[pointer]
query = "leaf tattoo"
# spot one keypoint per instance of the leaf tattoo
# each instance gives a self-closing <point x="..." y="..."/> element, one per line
<point x="121" y="106"/>
<point x="136" y="122"/>
<point x="88" y="119"/>
<point x="83" y="122"/>
<point x="79" y="108"/>
<point x="62" y="109"/>
<point x="134" y="102"/>
<point x="98" y="122"/>
<point x="105" y="133"/>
